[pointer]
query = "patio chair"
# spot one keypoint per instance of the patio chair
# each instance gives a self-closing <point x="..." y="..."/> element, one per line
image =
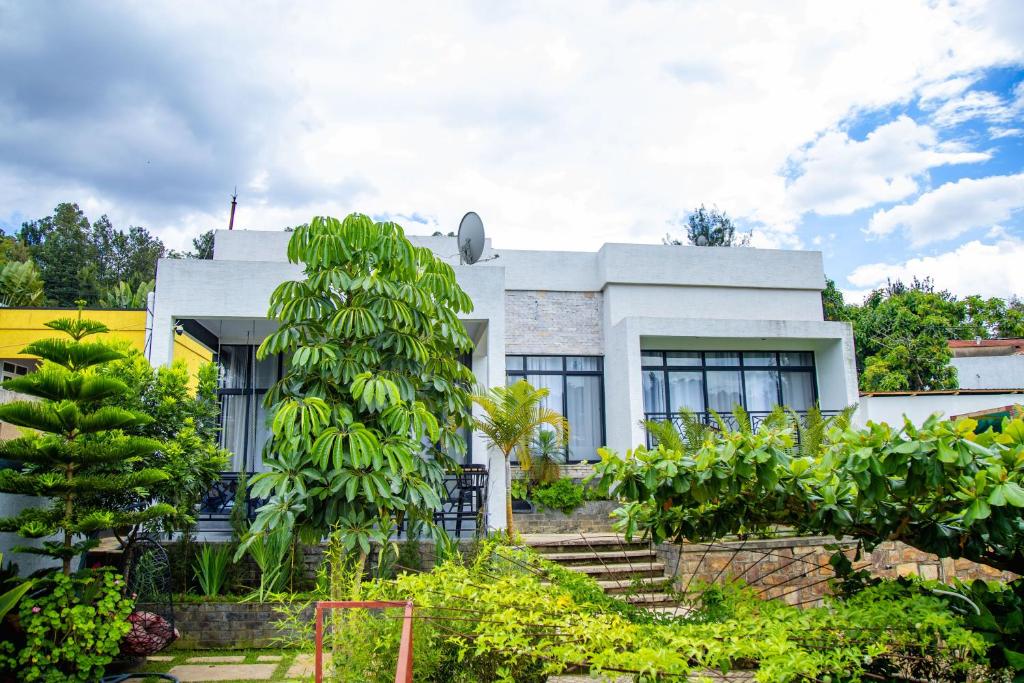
<point x="466" y="492"/>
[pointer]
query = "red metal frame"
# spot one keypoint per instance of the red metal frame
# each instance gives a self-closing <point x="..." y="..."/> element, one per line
<point x="403" y="673"/>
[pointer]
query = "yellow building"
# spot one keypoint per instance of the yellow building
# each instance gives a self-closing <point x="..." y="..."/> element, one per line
<point x="20" y="326"/>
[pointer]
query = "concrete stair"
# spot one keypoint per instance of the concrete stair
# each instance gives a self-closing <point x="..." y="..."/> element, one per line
<point x="629" y="571"/>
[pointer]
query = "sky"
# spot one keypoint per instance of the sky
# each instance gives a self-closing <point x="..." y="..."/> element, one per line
<point x="888" y="135"/>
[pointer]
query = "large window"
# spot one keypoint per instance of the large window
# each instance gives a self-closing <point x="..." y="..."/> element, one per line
<point x="718" y="380"/>
<point x="576" y="390"/>
<point x="244" y="382"/>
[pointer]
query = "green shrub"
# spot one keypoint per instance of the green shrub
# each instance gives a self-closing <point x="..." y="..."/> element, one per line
<point x="563" y="495"/>
<point x="73" y="631"/>
<point x="211" y="567"/>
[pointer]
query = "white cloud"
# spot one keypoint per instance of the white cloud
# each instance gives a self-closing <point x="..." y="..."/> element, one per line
<point x="563" y="128"/>
<point x="931" y="93"/>
<point x="991" y="269"/>
<point x="841" y="175"/>
<point x="953" y="209"/>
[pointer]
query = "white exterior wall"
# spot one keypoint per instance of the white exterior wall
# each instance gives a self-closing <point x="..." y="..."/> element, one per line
<point x="990" y="372"/>
<point x="612" y="302"/>
<point x="892" y="409"/>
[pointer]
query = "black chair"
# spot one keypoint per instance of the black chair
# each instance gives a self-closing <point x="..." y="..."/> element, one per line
<point x="464" y="500"/>
<point x="147" y="574"/>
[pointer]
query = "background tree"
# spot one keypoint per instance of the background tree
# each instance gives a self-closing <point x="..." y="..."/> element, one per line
<point x="124" y="297"/>
<point x="73" y="431"/>
<point x="374" y="394"/>
<point x="832" y="304"/>
<point x="202" y="248"/>
<point x="511" y="417"/>
<point x="61" y="247"/>
<point x="20" y="285"/>
<point x="710" y="228"/>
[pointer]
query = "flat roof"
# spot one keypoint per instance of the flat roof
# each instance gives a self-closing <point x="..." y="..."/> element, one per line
<point x="944" y="392"/>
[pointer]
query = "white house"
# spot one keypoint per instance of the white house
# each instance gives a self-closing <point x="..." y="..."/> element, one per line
<point x="627" y="332"/>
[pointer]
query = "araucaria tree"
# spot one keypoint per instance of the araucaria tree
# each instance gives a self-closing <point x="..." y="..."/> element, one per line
<point x="374" y="395"/>
<point x="73" y="434"/>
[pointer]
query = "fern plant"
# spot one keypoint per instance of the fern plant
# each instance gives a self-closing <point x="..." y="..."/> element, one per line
<point x="70" y="433"/>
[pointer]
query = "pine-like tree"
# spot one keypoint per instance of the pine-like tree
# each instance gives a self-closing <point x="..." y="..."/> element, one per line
<point x="72" y="433"/>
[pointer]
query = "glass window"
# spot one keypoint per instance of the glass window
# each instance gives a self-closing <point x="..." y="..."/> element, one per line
<point x="544" y="363"/>
<point x="575" y="387"/>
<point x="583" y="410"/>
<point x="244" y="421"/>
<point x="687" y="358"/>
<point x="233" y="428"/>
<point x="582" y="364"/>
<point x="654" y="391"/>
<point x="715" y="380"/>
<point x="762" y="387"/>
<point x="759" y="358"/>
<point x="724" y="391"/>
<point x="686" y="390"/>
<point x="651" y="358"/>
<point x="798" y="390"/>
<point x="797" y="358"/>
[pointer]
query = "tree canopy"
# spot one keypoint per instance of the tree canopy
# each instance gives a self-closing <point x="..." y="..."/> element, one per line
<point x="374" y="394"/>
<point x="92" y="261"/>
<point x="902" y="331"/>
<point x="710" y="228"/>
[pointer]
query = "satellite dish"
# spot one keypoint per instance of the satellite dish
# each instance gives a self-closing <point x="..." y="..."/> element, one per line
<point x="471" y="238"/>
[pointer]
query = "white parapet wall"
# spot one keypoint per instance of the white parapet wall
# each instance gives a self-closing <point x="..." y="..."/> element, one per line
<point x="918" y="406"/>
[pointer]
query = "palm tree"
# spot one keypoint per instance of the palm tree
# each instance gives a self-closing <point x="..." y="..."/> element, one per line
<point x="511" y="416"/>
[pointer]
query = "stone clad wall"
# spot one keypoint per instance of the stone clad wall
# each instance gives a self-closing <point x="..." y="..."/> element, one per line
<point x="554" y="323"/>
<point x="797" y="570"/>
<point x="229" y="625"/>
<point x="590" y="518"/>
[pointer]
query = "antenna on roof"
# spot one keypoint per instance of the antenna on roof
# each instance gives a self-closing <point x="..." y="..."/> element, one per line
<point x="234" y="203"/>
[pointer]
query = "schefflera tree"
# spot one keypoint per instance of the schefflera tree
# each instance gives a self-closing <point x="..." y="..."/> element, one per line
<point x="72" y="436"/>
<point x="373" y="397"/>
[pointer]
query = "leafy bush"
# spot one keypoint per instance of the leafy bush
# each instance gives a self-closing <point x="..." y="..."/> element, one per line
<point x="563" y="495"/>
<point x="507" y="617"/>
<point x="211" y="568"/>
<point x="73" y="631"/>
<point x="1000" y="619"/>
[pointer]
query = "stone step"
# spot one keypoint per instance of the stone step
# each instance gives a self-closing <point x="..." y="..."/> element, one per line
<point x="553" y="543"/>
<point x="620" y="571"/>
<point x="651" y="599"/>
<point x="591" y="556"/>
<point x="620" y="586"/>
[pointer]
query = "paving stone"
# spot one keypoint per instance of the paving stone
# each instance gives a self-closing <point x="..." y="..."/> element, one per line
<point x="160" y="658"/>
<point x="202" y="673"/>
<point x="216" y="659"/>
<point x="269" y="658"/>
<point x="303" y="664"/>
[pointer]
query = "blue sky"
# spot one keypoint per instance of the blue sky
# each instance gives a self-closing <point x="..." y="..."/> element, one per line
<point x="889" y="134"/>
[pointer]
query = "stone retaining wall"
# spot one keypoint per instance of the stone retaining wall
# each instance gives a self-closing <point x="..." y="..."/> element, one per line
<point x="591" y="517"/>
<point x="797" y="570"/>
<point x="229" y="625"/>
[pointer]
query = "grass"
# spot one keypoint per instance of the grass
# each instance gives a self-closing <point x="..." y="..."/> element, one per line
<point x="251" y="656"/>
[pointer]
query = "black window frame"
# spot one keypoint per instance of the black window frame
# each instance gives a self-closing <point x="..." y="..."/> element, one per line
<point x="564" y="373"/>
<point x="254" y="396"/>
<point x="740" y="367"/>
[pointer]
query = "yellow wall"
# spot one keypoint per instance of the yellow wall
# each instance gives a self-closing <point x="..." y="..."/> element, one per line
<point x="20" y="326"/>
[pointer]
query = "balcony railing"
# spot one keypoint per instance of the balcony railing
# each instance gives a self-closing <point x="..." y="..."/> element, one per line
<point x="463" y="502"/>
<point x="731" y="420"/>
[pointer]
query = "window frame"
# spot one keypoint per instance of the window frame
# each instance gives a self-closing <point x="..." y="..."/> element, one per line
<point x="704" y="368"/>
<point x="564" y="373"/>
<point x="253" y="396"/>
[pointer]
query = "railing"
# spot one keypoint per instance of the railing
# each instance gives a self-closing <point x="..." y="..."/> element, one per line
<point x="731" y="420"/>
<point x="463" y="502"/>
